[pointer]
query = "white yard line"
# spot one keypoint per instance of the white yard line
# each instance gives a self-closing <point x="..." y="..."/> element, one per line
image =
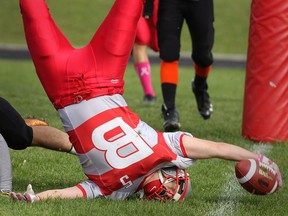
<point x="227" y="202"/>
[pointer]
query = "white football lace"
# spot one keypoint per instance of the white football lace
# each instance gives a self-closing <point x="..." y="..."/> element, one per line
<point x="268" y="167"/>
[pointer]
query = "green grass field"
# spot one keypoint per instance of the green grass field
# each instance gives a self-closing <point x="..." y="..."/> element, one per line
<point x="215" y="190"/>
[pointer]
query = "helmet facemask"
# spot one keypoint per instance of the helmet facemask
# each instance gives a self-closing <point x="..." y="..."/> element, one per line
<point x="173" y="184"/>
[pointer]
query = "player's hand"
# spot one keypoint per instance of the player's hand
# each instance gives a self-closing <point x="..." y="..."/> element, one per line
<point x="273" y="165"/>
<point x="29" y="196"/>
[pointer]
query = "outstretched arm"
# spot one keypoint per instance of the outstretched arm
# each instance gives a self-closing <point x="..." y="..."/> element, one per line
<point x="30" y="197"/>
<point x="66" y="193"/>
<point x="201" y="149"/>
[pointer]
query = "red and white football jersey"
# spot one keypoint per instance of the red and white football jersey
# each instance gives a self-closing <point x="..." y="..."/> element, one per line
<point x="116" y="149"/>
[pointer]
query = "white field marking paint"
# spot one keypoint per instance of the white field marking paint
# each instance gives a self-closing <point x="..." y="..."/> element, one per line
<point x="227" y="203"/>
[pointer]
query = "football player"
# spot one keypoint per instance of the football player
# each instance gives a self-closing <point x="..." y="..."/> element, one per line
<point x="119" y="153"/>
<point x="146" y="35"/>
<point x="17" y="133"/>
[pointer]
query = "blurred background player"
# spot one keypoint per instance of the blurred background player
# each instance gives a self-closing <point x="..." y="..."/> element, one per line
<point x="199" y="16"/>
<point x="146" y="35"/>
<point x="18" y="134"/>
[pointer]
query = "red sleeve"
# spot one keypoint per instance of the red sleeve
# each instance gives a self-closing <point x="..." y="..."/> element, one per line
<point x="82" y="189"/>
<point x="182" y="146"/>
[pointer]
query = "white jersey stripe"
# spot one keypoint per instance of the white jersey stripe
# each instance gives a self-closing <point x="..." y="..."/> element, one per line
<point x="74" y="115"/>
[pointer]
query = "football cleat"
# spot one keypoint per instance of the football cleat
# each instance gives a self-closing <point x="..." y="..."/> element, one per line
<point x="171" y="119"/>
<point x="149" y="99"/>
<point x="204" y="105"/>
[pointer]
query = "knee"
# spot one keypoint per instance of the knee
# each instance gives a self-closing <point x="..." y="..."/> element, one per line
<point x="169" y="49"/>
<point x="203" y="59"/>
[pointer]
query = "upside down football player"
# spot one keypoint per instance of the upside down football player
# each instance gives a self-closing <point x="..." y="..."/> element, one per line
<point x="119" y="153"/>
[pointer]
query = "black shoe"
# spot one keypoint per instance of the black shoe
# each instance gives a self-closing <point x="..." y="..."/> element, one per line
<point x="149" y="99"/>
<point x="204" y="105"/>
<point x="171" y="118"/>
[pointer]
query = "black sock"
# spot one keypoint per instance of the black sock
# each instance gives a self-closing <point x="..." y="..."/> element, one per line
<point x="200" y="82"/>
<point x="169" y="93"/>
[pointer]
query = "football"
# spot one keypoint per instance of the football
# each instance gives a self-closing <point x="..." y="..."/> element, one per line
<point x="256" y="177"/>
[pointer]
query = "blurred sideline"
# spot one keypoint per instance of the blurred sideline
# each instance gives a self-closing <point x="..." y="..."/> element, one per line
<point x="20" y="52"/>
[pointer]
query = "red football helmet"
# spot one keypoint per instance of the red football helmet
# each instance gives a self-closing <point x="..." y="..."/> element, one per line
<point x="173" y="184"/>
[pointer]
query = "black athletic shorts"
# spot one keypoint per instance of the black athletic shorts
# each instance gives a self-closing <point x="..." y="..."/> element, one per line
<point x="199" y="17"/>
<point x="13" y="127"/>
